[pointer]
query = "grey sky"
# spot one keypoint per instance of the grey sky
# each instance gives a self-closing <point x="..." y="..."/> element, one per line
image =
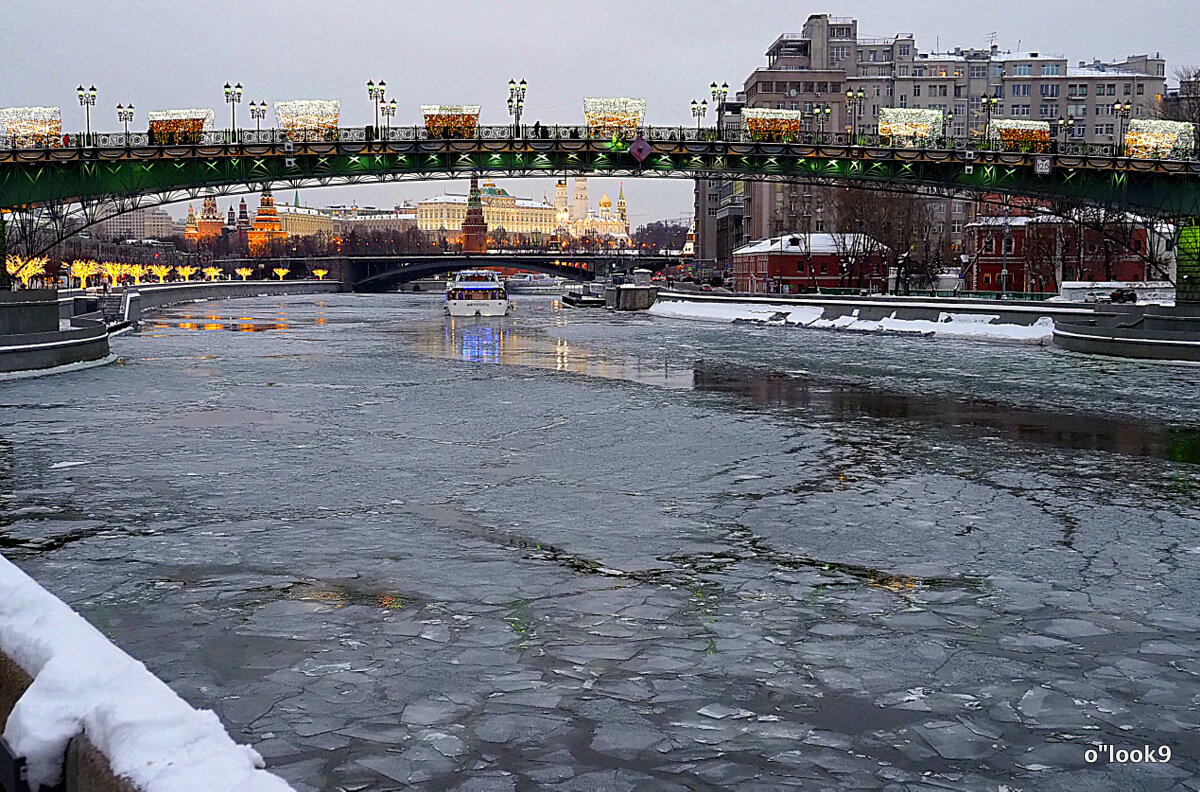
<point x="172" y="54"/>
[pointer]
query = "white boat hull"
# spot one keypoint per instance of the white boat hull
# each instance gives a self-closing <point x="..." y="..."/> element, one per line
<point x="478" y="307"/>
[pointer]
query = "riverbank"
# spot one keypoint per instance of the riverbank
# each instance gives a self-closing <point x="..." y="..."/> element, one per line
<point x="78" y="710"/>
<point x="1030" y="323"/>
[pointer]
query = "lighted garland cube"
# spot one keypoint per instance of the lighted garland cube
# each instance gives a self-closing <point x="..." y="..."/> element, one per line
<point x="179" y="127"/>
<point x="32" y="127"/>
<point x="451" y="121"/>
<point x="1018" y="134"/>
<point x="910" y="126"/>
<point x="308" y="119"/>
<point x="1152" y="138"/>
<point x="606" y="116"/>
<point x="767" y="124"/>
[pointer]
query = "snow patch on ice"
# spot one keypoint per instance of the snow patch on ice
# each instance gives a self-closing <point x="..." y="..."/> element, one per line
<point x="83" y="683"/>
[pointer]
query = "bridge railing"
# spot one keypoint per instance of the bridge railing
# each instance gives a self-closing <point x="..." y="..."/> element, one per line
<point x="531" y="132"/>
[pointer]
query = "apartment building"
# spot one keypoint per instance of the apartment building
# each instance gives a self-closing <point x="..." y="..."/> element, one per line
<point x="812" y="70"/>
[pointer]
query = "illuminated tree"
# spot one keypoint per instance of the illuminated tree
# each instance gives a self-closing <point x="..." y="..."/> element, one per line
<point x="186" y="271"/>
<point x="320" y="273"/>
<point x="136" y="271"/>
<point x="113" y="270"/>
<point x="84" y="269"/>
<point x="280" y="272"/>
<point x="25" y="269"/>
<point x="160" y="271"/>
<point x="244" y="272"/>
<point x="212" y="272"/>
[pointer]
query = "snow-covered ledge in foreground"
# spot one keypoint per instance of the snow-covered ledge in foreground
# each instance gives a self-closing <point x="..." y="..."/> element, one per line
<point x="82" y="683"/>
<point x="948" y="323"/>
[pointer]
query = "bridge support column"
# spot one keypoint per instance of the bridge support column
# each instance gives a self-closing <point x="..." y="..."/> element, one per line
<point x="1187" y="262"/>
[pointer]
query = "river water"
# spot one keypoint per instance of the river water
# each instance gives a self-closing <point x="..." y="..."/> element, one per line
<point x="573" y="550"/>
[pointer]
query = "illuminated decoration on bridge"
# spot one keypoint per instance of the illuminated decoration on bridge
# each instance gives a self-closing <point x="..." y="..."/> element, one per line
<point x="909" y="126"/>
<point x="32" y="127"/>
<point x="451" y="121"/>
<point x="179" y="126"/>
<point x="1153" y="138"/>
<point x="769" y="124"/>
<point x="308" y="119"/>
<point x="1018" y="134"/>
<point x="606" y="116"/>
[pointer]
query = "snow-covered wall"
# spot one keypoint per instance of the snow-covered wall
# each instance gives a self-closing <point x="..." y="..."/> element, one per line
<point x="82" y="683"/>
<point x="1023" y="324"/>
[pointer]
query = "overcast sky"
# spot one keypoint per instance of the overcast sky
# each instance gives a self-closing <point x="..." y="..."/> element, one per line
<point x="169" y="54"/>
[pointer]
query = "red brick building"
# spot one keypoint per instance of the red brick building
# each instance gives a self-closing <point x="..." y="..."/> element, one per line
<point x="1036" y="254"/>
<point x="796" y="263"/>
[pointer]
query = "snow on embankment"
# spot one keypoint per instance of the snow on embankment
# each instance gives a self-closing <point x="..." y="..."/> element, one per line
<point x="83" y="683"/>
<point x="948" y="323"/>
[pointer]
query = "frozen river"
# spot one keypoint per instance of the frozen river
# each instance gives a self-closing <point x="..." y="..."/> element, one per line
<point x="585" y="551"/>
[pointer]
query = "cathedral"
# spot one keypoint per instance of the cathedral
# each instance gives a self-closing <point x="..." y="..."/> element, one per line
<point x="577" y="218"/>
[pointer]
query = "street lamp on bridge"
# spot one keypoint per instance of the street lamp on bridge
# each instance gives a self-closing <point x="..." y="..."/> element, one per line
<point x="821" y="113"/>
<point x="516" y="102"/>
<point x="854" y="103"/>
<point x="124" y="116"/>
<point x="376" y="94"/>
<point x="87" y="98"/>
<point x="1065" y="125"/>
<point x="699" y="110"/>
<point x="388" y="109"/>
<point x="1122" y="111"/>
<point x="258" y="112"/>
<point x="989" y="106"/>
<point x="233" y="97"/>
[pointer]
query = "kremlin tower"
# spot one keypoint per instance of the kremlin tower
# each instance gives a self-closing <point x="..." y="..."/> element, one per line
<point x="267" y="226"/>
<point x="474" y="227"/>
<point x="209" y="224"/>
<point x="190" y="232"/>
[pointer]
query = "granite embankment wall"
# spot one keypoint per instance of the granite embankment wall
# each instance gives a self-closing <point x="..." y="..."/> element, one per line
<point x="148" y="297"/>
<point x="32" y="339"/>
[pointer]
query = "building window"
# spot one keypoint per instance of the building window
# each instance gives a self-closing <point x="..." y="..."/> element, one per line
<point x="1022" y="89"/>
<point x="1128" y="89"/>
<point x="808" y="87"/>
<point x="1023" y="70"/>
<point x="1010" y="245"/>
<point x="712" y="211"/>
<point x="916" y="90"/>
<point x="1049" y="90"/>
<point x="977" y="72"/>
<point x="918" y="71"/>
<point x="1051" y="70"/>
<point x="956" y="226"/>
<point x="1141" y="89"/>
<point x="905" y="50"/>
<point x="1049" y="111"/>
<point x="903" y="71"/>
<point x="1111" y="89"/>
<point x="956" y="207"/>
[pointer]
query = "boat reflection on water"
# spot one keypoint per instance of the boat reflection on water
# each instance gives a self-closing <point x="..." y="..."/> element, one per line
<point x="475" y="341"/>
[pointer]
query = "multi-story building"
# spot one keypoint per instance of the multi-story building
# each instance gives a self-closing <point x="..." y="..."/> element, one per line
<point x="150" y="223"/>
<point x="811" y="71"/>
<point x="302" y="221"/>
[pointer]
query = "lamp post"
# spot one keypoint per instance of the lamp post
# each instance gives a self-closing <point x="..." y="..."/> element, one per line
<point x="1122" y="111"/>
<point x="516" y="103"/>
<point x="989" y="106"/>
<point x="854" y="103"/>
<point x="947" y="126"/>
<point x="719" y="94"/>
<point x="233" y="97"/>
<point x="125" y="115"/>
<point x="1065" y="125"/>
<point x="699" y="110"/>
<point x="376" y="93"/>
<point x="388" y="109"/>
<point x="258" y="112"/>
<point x="822" y="113"/>
<point x="87" y="98"/>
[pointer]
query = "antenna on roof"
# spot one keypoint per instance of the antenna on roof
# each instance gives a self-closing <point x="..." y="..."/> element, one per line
<point x="991" y="39"/>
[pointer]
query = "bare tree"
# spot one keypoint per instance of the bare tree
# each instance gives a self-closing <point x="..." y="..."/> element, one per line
<point x="1186" y="107"/>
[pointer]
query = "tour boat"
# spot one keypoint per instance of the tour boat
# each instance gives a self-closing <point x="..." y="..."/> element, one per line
<point x="534" y="284"/>
<point x="477" y="293"/>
